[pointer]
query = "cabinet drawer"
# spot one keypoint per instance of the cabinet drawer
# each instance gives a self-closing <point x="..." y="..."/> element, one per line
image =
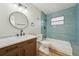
<point x="27" y="42"/>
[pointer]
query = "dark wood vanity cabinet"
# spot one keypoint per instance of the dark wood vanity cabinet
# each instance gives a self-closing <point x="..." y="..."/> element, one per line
<point x="25" y="48"/>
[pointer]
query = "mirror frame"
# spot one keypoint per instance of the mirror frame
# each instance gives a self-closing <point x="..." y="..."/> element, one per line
<point x="20" y="13"/>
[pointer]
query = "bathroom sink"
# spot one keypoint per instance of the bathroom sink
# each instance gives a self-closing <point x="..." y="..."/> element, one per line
<point x="13" y="40"/>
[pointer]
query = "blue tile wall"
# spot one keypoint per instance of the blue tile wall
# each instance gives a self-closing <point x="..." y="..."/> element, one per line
<point x="75" y="43"/>
<point x="43" y="24"/>
<point x="68" y="31"/>
<point x="77" y="24"/>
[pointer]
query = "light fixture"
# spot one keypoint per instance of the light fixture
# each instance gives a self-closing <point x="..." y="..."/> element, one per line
<point x="21" y="5"/>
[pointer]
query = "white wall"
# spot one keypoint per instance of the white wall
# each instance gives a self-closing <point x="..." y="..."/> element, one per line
<point x="32" y="13"/>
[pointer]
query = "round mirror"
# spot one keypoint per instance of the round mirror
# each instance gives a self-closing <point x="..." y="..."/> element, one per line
<point x="18" y="20"/>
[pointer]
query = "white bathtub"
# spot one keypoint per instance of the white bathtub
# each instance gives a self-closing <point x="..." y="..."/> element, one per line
<point x="63" y="46"/>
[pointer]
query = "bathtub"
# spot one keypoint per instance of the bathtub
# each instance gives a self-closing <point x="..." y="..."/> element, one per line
<point x="62" y="46"/>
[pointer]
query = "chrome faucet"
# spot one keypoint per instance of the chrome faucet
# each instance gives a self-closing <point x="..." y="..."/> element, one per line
<point x="21" y="31"/>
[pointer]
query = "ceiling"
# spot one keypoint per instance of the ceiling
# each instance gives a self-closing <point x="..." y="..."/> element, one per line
<point x="48" y="8"/>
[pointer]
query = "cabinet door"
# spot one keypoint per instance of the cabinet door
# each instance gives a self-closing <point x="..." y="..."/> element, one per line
<point x="29" y="48"/>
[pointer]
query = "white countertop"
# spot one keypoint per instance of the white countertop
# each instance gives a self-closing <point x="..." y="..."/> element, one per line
<point x="13" y="40"/>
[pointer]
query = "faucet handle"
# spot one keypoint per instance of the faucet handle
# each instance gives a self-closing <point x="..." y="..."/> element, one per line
<point x="17" y="35"/>
<point x="23" y="33"/>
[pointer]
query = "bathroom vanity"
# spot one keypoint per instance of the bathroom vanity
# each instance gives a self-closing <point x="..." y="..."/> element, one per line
<point x="18" y="46"/>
